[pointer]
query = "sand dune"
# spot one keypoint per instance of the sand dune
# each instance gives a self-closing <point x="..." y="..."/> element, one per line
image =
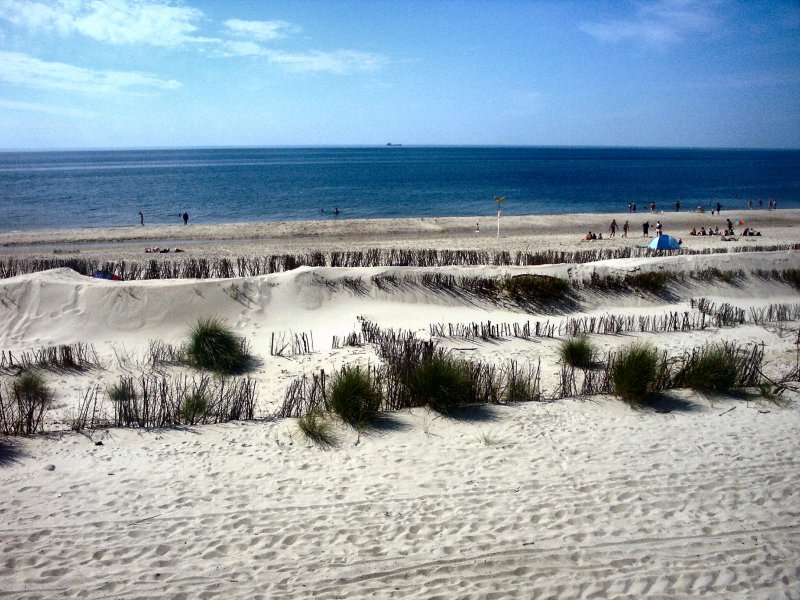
<point x="581" y="498"/>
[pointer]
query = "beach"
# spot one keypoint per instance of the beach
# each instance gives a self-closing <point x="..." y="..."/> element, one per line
<point x="568" y="496"/>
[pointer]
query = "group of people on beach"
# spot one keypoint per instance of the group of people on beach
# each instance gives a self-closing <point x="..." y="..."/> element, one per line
<point x="727" y="233"/>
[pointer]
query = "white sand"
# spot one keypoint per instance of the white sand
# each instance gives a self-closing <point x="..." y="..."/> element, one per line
<point x="578" y="498"/>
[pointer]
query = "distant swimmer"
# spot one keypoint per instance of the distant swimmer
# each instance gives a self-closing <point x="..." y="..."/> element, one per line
<point x="336" y="210"/>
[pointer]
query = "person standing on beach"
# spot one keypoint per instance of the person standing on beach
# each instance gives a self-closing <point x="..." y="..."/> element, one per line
<point x="625" y="229"/>
<point x="652" y="206"/>
<point x="719" y="208"/>
<point x="658" y="228"/>
<point x="185" y="218"/>
<point x="613" y="228"/>
<point x="141" y="218"/>
<point x="646" y="228"/>
<point x="677" y="206"/>
<point x="634" y="207"/>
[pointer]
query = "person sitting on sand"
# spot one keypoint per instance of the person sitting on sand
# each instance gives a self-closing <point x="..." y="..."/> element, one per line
<point x="693" y="231"/>
<point x="588" y="236"/>
<point x="599" y="236"/>
<point x="702" y="231"/>
<point x="716" y="230"/>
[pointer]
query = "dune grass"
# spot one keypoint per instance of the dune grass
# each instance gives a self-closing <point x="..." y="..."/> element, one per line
<point x="317" y="428"/>
<point x="441" y="382"/>
<point x="22" y="410"/>
<point x="578" y="352"/>
<point x="354" y="397"/>
<point x="194" y="408"/>
<point x="633" y="373"/>
<point x="536" y="288"/>
<point x="213" y="346"/>
<point x="710" y="369"/>
<point x="652" y="282"/>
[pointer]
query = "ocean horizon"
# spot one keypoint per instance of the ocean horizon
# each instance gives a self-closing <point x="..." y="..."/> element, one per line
<point x="61" y="189"/>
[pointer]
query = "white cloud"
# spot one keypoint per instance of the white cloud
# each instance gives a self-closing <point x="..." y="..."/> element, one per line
<point x="113" y="21"/>
<point x="657" y="24"/>
<point x="24" y="70"/>
<point x="340" y="62"/>
<point x="46" y="108"/>
<point x="261" y="31"/>
<point x="159" y="23"/>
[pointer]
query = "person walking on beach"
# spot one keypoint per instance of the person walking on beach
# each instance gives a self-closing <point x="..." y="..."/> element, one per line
<point x="625" y="229"/>
<point x="613" y="228"/>
<point x="646" y="228"/>
<point x="141" y="218"/>
<point x="185" y="218"/>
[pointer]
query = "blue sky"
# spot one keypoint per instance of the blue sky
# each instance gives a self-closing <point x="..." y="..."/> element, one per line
<point x="149" y="73"/>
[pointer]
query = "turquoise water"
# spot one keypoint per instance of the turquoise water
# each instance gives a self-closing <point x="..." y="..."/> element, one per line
<point x="43" y="190"/>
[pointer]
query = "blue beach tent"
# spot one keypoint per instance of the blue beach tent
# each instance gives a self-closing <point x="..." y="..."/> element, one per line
<point x="664" y="242"/>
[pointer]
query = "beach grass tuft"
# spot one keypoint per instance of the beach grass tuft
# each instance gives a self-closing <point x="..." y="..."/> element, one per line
<point x="536" y="288"/>
<point x="578" y="352"/>
<point x="213" y="346"/>
<point x="354" y="397"/>
<point x="194" y="407"/>
<point x="22" y="407"/>
<point x="633" y="373"/>
<point x="651" y="282"/>
<point x="317" y="428"/>
<point x="442" y="382"/>
<point x="713" y="368"/>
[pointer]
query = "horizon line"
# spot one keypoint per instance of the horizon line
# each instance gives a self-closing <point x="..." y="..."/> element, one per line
<point x="393" y="146"/>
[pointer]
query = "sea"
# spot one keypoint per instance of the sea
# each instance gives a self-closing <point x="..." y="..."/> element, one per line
<point x="76" y="189"/>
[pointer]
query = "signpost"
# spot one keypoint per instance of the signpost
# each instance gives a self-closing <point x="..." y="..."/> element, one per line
<point x="499" y="201"/>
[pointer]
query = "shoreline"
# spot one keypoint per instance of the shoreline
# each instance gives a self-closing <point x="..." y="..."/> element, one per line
<point x="534" y="232"/>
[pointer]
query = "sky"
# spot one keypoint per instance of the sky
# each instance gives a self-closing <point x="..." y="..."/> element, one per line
<point x="153" y="73"/>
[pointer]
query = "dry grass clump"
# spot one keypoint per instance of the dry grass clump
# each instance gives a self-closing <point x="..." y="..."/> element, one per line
<point x="354" y="397"/>
<point x="213" y="346"/>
